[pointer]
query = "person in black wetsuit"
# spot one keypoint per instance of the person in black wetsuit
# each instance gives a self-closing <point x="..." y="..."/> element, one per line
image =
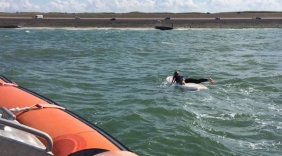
<point x="182" y="80"/>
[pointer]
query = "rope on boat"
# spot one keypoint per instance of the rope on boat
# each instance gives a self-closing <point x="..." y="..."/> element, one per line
<point x="35" y="107"/>
<point x="8" y="84"/>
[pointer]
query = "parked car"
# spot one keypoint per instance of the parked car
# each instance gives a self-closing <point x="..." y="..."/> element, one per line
<point x="167" y="18"/>
<point x="217" y="18"/>
<point x="76" y="17"/>
<point x="258" y="17"/>
<point x="113" y="19"/>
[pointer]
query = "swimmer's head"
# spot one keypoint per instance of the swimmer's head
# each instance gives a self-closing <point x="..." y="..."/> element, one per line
<point x="176" y="73"/>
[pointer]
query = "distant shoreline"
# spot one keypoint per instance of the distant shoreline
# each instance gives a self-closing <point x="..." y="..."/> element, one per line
<point x="235" y="20"/>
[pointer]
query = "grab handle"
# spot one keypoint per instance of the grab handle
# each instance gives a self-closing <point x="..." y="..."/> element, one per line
<point x="30" y="130"/>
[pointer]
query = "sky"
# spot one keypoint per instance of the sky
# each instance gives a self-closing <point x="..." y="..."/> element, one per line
<point x="125" y="6"/>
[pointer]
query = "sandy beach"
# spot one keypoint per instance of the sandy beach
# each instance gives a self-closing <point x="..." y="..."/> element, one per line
<point x="143" y="20"/>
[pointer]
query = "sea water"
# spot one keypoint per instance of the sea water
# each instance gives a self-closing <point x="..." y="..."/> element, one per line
<point x="115" y="78"/>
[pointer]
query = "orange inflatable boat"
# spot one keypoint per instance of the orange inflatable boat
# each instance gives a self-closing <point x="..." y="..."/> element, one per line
<point x="31" y="124"/>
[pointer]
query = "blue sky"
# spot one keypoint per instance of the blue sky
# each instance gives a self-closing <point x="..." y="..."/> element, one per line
<point x="123" y="6"/>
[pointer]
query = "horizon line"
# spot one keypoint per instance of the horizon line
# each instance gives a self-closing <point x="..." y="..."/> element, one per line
<point x="138" y="12"/>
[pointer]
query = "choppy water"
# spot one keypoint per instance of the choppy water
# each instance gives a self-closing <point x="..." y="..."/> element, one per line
<point x="116" y="79"/>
